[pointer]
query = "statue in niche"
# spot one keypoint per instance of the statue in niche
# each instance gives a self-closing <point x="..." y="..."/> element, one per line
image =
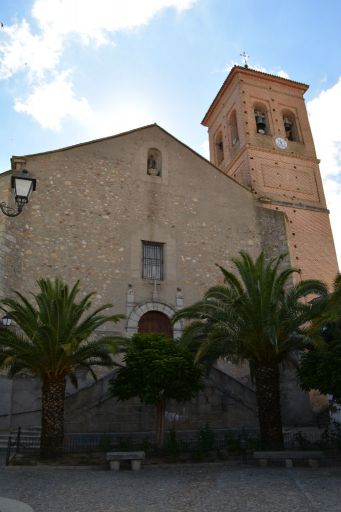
<point x="154" y="162"/>
<point x="151" y="162"/>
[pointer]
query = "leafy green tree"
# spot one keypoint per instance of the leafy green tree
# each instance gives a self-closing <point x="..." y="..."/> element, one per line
<point x="157" y="369"/>
<point x="321" y="365"/>
<point x="257" y="315"/>
<point x="52" y="342"/>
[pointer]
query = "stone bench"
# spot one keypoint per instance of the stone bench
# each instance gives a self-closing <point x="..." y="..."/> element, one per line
<point x="115" y="458"/>
<point x="289" y="456"/>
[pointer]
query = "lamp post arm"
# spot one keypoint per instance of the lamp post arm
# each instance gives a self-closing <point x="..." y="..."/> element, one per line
<point x="9" y="211"/>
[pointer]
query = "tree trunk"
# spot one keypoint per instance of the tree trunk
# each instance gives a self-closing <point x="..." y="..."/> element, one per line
<point x="269" y="407"/>
<point x="160" y="423"/>
<point x="52" y="416"/>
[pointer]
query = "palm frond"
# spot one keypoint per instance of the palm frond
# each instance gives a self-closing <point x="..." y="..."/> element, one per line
<point x="55" y="331"/>
<point x="256" y="315"/>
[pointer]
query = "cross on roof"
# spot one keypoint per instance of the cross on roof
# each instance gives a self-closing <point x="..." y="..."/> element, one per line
<point x="245" y="57"/>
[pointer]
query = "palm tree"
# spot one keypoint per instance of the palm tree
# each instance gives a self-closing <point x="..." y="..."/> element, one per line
<point x="260" y="317"/>
<point x="52" y="342"/>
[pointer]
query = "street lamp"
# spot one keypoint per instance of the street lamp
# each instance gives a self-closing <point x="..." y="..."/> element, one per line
<point x="23" y="185"/>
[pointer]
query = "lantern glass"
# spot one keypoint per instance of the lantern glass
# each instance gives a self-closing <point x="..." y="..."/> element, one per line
<point x="22" y="188"/>
<point x="23" y="185"/>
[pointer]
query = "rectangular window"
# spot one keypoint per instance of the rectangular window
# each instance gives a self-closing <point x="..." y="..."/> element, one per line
<point x="152" y="262"/>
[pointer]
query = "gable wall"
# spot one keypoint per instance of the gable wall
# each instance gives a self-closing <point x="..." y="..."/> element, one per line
<point x="95" y="203"/>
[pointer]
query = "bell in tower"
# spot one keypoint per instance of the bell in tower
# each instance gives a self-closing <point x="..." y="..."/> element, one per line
<point x="260" y="122"/>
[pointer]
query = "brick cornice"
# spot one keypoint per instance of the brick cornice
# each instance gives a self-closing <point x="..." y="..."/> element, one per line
<point x="288" y="204"/>
<point x="284" y="153"/>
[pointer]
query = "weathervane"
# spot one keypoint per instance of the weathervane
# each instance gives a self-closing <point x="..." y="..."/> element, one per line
<point x="245" y="57"/>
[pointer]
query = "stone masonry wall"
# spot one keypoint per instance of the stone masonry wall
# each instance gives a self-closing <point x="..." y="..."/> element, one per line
<point x="95" y="203"/>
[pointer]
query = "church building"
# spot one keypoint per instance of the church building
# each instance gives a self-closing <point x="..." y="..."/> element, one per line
<point x="142" y="219"/>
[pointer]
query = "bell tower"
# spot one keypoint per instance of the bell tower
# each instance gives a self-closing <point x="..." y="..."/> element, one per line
<point x="259" y="135"/>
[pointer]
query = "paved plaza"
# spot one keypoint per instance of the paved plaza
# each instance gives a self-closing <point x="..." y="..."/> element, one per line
<point x="199" y="488"/>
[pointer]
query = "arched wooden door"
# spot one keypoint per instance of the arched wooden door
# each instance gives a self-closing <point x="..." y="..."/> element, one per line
<point x="154" y="321"/>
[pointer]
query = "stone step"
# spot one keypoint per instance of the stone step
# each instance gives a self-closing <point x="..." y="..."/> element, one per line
<point x="23" y="434"/>
<point x="14" y="435"/>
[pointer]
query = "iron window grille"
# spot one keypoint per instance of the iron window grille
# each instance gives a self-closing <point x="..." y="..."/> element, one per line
<point x="152" y="263"/>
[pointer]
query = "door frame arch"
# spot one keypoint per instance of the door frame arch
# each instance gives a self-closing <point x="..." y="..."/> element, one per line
<point x="138" y="311"/>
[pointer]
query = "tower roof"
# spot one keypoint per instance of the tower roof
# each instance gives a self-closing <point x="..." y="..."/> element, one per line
<point x="242" y="70"/>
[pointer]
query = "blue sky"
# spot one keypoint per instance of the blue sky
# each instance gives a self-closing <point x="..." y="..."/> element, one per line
<point x="75" y="70"/>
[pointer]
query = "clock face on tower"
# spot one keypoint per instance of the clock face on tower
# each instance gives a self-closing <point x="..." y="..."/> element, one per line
<point x="281" y="143"/>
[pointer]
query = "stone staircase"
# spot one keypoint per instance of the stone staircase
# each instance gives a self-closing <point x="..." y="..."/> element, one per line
<point x="224" y="403"/>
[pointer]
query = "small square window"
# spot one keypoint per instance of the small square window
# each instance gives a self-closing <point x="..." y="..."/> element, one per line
<point x="152" y="261"/>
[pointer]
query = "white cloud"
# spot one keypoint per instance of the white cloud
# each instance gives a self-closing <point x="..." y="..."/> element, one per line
<point x="256" y="67"/>
<point x="50" y="102"/>
<point x="325" y="114"/>
<point x="37" y="49"/>
<point x="93" y="21"/>
<point x="22" y="50"/>
<point x="282" y="73"/>
<point x="333" y="195"/>
<point x="60" y="20"/>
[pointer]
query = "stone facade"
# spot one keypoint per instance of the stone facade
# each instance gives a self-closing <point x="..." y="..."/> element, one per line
<point x="95" y="203"/>
<point x="99" y="203"/>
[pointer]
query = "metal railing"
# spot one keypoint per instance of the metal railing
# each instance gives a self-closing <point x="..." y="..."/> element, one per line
<point x="13" y="446"/>
<point x="237" y="441"/>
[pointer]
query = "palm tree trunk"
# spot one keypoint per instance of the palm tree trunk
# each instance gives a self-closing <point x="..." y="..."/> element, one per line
<point x="52" y="417"/>
<point x="269" y="407"/>
<point x="160" y="423"/>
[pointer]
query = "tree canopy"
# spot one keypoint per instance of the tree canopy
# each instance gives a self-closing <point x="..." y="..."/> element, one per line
<point x="321" y="365"/>
<point x="157" y="369"/>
